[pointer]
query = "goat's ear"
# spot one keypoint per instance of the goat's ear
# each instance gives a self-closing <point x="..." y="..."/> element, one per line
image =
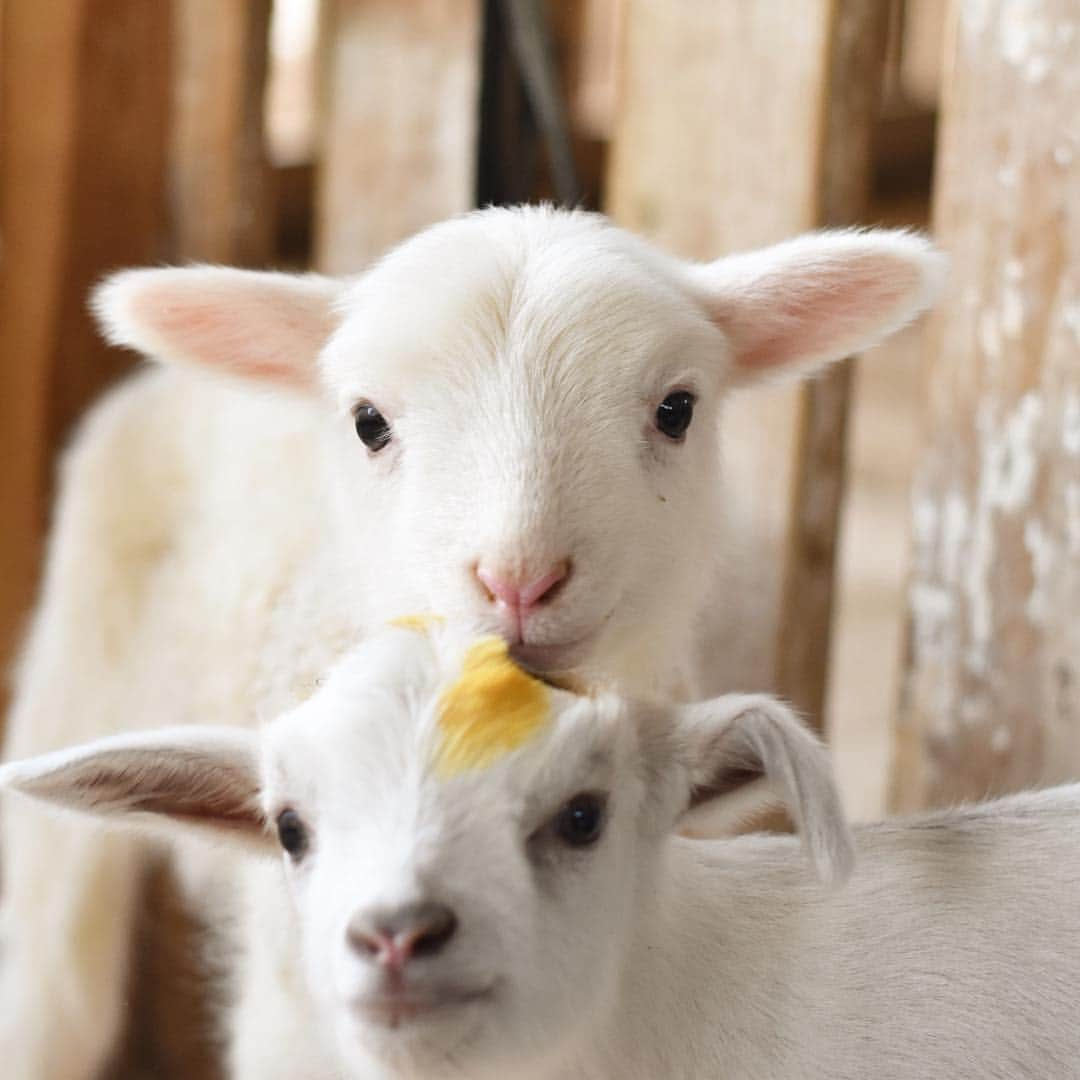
<point x="741" y="742"/>
<point x="201" y="777"/>
<point x="793" y="307"/>
<point x="264" y="326"/>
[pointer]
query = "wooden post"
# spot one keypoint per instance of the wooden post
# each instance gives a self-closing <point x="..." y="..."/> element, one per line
<point x="83" y="175"/>
<point x="399" y="130"/>
<point x="218" y="171"/>
<point x="856" y="59"/>
<point x="991" y="694"/>
<point x="90" y="151"/>
<point x="742" y="124"/>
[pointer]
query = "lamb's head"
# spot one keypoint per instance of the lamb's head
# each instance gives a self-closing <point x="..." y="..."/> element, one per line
<point x="524" y="405"/>
<point x="471" y="851"/>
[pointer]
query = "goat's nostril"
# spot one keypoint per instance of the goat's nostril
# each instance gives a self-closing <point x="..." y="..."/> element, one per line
<point x="366" y="941"/>
<point x="435" y="933"/>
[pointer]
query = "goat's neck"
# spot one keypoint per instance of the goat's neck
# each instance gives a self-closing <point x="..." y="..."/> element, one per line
<point x="703" y="978"/>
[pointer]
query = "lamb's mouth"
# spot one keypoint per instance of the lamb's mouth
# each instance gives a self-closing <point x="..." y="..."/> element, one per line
<point x="555" y="659"/>
<point x="393" y="1008"/>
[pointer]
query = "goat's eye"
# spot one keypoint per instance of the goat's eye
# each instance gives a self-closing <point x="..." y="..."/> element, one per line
<point x="292" y="833"/>
<point x="372" y="427"/>
<point x="580" y="822"/>
<point x="674" y="413"/>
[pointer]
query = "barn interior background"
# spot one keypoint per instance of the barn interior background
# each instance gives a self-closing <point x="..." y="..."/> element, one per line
<point x="935" y="635"/>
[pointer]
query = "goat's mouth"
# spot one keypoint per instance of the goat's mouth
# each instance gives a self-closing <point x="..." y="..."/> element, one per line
<point x="395" y="1007"/>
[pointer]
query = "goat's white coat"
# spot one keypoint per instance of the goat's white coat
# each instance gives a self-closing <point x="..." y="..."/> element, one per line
<point x="217" y="545"/>
<point x="952" y="952"/>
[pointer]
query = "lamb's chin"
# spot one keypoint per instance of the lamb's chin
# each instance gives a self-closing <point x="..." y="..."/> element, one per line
<point x="555" y="659"/>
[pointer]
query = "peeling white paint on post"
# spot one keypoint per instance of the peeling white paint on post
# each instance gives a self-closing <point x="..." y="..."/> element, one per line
<point x="1009" y="454"/>
<point x="991" y="697"/>
<point x="1072" y="518"/>
<point x="1070" y="424"/>
<point x="1012" y="300"/>
<point x="1043" y="551"/>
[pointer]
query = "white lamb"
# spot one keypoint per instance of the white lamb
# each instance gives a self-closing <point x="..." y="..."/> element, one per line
<point x="481" y="879"/>
<point x="537" y="397"/>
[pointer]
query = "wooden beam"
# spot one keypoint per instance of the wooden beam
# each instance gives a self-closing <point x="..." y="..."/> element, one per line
<point x="398" y="138"/>
<point x="855" y="65"/>
<point x="84" y="106"/>
<point x="737" y="124"/>
<point x="91" y="155"/>
<point x="991" y="692"/>
<point x="219" y="177"/>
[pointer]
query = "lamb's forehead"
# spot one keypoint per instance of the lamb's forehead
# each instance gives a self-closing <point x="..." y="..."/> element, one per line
<point x="452" y="702"/>
<point x="506" y="286"/>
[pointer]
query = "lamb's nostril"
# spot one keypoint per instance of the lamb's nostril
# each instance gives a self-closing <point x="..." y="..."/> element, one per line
<point x="489" y="583"/>
<point x="393" y="937"/>
<point x="507" y="589"/>
<point x="544" y="589"/>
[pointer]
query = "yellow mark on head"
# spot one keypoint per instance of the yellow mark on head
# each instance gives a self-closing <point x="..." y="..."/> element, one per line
<point x="419" y="623"/>
<point x="492" y="708"/>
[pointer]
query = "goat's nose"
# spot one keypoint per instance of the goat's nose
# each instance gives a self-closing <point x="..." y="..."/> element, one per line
<point x="520" y="596"/>
<point x="393" y="937"/>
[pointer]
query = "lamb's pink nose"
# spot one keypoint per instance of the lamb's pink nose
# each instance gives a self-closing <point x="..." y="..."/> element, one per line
<point x="392" y="938"/>
<point x="520" y="598"/>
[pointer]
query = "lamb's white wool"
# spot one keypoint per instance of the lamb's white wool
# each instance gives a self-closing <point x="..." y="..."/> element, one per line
<point x="219" y="540"/>
<point x="534" y="914"/>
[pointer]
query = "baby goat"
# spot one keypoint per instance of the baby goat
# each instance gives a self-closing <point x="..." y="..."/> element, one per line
<point x="481" y="876"/>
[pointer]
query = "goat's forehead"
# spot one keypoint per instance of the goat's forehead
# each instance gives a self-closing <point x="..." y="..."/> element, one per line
<point x="434" y="712"/>
<point x="471" y="299"/>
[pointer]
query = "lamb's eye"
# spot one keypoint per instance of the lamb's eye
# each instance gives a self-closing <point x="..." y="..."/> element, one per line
<point x="372" y="427"/>
<point x="674" y="413"/>
<point x="580" y="822"/>
<point x="292" y="833"/>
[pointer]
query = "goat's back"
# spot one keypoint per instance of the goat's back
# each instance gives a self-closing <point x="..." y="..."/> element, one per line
<point x="953" y="953"/>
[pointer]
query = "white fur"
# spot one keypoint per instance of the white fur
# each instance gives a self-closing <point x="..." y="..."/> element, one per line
<point x="219" y="539"/>
<point x="953" y="950"/>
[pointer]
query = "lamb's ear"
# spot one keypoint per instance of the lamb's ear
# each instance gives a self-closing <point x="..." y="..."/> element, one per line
<point x="263" y="326"/>
<point x="199" y="777"/>
<point x="793" y="307"/>
<point x="735" y="742"/>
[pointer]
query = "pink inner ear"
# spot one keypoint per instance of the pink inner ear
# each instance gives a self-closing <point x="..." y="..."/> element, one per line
<point x="257" y="332"/>
<point x="824" y="314"/>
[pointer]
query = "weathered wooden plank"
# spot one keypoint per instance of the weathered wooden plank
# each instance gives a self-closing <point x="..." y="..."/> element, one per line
<point x="856" y="60"/>
<point x="86" y="169"/>
<point x="726" y="139"/>
<point x="399" y="131"/>
<point x="920" y="67"/>
<point x="83" y="177"/>
<point x="218" y="174"/>
<point x="991" y="697"/>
